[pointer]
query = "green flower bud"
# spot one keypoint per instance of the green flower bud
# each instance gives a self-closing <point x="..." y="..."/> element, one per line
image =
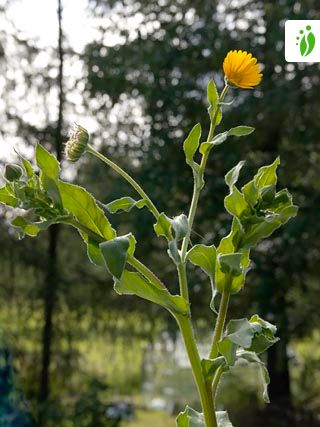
<point x="77" y="143"/>
<point x="12" y="172"/>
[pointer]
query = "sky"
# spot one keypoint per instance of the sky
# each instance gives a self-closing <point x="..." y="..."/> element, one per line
<point x="37" y="20"/>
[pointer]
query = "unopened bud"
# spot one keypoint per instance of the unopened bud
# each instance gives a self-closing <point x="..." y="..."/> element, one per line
<point x="77" y="143"/>
<point x="12" y="172"/>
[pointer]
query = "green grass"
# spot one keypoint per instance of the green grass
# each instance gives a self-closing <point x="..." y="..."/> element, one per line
<point x="151" y="418"/>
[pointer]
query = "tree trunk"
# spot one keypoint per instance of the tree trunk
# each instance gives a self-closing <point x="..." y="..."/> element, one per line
<point x="52" y="270"/>
<point x="278" y="362"/>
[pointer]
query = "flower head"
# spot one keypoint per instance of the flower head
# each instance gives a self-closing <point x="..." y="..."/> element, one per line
<point x="241" y="69"/>
<point x="77" y="143"/>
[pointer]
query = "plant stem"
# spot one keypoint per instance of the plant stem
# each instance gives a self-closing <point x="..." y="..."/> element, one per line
<point x="205" y="395"/>
<point x="128" y="178"/>
<point x="138" y="265"/>
<point x="144" y="270"/>
<point x="219" y="324"/>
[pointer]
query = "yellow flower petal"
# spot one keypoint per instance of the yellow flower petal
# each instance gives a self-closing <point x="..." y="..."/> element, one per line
<point x="241" y="69"/>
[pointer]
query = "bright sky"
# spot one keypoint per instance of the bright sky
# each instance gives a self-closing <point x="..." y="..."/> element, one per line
<point x="37" y="19"/>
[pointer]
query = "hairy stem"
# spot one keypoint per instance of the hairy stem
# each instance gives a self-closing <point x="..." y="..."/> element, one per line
<point x="219" y="324"/>
<point x="194" y="204"/>
<point x="195" y="361"/>
<point x="128" y="178"/>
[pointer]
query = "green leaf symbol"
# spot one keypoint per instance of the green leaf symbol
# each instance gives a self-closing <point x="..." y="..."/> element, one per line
<point x="307" y="43"/>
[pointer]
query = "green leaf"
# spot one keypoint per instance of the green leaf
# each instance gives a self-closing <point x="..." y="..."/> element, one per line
<point x="239" y="333"/>
<point x="47" y="162"/>
<point x="232" y="176"/>
<point x="264" y="337"/>
<point x="231" y="263"/>
<point x="124" y="204"/>
<point x="220" y="138"/>
<point x="223" y="419"/>
<point x="82" y="205"/>
<point x="190" y="418"/>
<point x="163" y="226"/>
<point x="229" y="245"/>
<point x="94" y="252"/>
<point x="251" y="357"/>
<point x="204" y="257"/>
<point x="7" y="198"/>
<point x="240" y="131"/>
<point x="50" y="169"/>
<point x="267" y="175"/>
<point x="191" y="144"/>
<point x="212" y="94"/>
<point x="210" y="366"/>
<point x="115" y="254"/>
<point x="134" y="283"/>
<point x="251" y="193"/>
<point x="265" y="228"/>
<point x="235" y="203"/>
<point x="28" y="167"/>
<point x="236" y="131"/>
<point x="26" y="227"/>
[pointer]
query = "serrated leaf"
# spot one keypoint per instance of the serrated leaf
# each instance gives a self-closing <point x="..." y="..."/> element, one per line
<point x="191" y="143"/>
<point x="232" y="176"/>
<point x="82" y="205"/>
<point x="134" y="283"/>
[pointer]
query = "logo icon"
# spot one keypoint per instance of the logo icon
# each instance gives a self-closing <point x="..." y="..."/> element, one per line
<point x="302" y="40"/>
<point x="306" y="40"/>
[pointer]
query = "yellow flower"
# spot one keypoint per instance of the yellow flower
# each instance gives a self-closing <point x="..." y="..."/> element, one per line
<point x="241" y="69"/>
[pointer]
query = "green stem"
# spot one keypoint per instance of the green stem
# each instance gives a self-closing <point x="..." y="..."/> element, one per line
<point x="183" y="281"/>
<point x="194" y="204"/>
<point x="219" y="324"/>
<point x="216" y="381"/>
<point x="128" y="178"/>
<point x="195" y="361"/>
<point x="144" y="270"/>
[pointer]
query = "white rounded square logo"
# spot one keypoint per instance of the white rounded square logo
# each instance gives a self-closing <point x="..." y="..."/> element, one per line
<point x="302" y="41"/>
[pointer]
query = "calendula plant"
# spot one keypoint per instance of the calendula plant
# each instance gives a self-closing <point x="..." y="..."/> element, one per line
<point x="257" y="209"/>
